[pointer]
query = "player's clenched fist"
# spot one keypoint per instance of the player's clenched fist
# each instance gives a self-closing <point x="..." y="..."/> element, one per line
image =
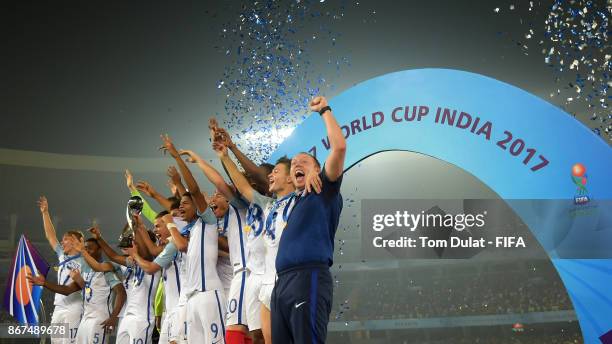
<point x="75" y="274"/>
<point x="168" y="219"/>
<point x="43" y="204"/>
<point x="317" y="103"/>
<point x="110" y="323"/>
<point x="95" y="232"/>
<point x="36" y="279"/>
<point x="220" y="149"/>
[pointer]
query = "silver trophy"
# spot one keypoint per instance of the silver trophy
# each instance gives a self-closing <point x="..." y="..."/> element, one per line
<point x="133" y="209"/>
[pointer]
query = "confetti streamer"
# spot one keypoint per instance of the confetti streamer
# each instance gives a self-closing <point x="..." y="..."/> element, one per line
<point x="574" y="41"/>
<point x="270" y="78"/>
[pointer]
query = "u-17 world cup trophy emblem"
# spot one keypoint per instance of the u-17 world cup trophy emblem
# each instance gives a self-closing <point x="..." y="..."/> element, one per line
<point x="133" y="209"/>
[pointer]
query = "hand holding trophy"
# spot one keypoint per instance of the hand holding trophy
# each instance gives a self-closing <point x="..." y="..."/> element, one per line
<point x="133" y="210"/>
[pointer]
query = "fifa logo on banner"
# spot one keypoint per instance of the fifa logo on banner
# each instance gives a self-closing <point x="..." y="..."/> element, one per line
<point x="579" y="177"/>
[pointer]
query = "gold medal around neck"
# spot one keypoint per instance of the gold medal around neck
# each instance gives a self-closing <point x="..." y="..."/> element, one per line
<point x="247" y="229"/>
<point x="88" y="290"/>
<point x="56" y="268"/>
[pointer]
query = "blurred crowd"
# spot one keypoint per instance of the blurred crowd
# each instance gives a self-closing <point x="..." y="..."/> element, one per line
<point x="552" y="333"/>
<point x="400" y="295"/>
<point x="457" y="298"/>
<point x="561" y="338"/>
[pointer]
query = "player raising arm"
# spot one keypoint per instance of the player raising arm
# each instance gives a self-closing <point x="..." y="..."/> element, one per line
<point x="112" y="255"/>
<point x="231" y="217"/>
<point x="96" y="287"/>
<point x="210" y="172"/>
<point x="137" y="322"/>
<point x="192" y="185"/>
<point x="170" y="262"/>
<point x="203" y="288"/>
<point x="175" y="182"/>
<point x="151" y="192"/>
<point x="147" y="211"/>
<point x="258" y="175"/>
<point x="263" y="241"/>
<point x="68" y="307"/>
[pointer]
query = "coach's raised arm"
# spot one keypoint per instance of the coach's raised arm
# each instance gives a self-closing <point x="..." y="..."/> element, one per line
<point x="334" y="165"/>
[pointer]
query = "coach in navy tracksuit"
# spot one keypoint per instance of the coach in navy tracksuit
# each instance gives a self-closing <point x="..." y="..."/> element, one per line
<point x="302" y="296"/>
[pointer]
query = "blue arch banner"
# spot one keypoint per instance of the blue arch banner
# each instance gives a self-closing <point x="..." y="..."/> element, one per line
<point x="519" y="145"/>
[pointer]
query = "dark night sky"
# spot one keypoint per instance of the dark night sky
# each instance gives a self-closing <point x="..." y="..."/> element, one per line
<point x="106" y="78"/>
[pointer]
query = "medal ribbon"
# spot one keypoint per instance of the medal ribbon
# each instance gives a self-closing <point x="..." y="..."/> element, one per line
<point x="271" y="218"/>
<point x="225" y="222"/>
<point x="61" y="266"/>
<point x="254" y="214"/>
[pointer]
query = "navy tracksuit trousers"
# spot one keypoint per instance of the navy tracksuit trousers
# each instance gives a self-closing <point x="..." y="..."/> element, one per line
<point x="301" y="303"/>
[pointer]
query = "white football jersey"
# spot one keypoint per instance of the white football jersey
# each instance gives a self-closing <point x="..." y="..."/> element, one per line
<point x="97" y="292"/>
<point x="201" y="256"/>
<point x="141" y="289"/>
<point x="267" y="218"/>
<point x="66" y="264"/>
<point x="276" y="215"/>
<point x="171" y="260"/>
<point x="123" y="273"/>
<point x="231" y="226"/>
<point x="225" y="272"/>
<point x="256" y="249"/>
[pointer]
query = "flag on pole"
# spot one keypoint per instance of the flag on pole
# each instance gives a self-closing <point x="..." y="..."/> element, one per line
<point x="21" y="297"/>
